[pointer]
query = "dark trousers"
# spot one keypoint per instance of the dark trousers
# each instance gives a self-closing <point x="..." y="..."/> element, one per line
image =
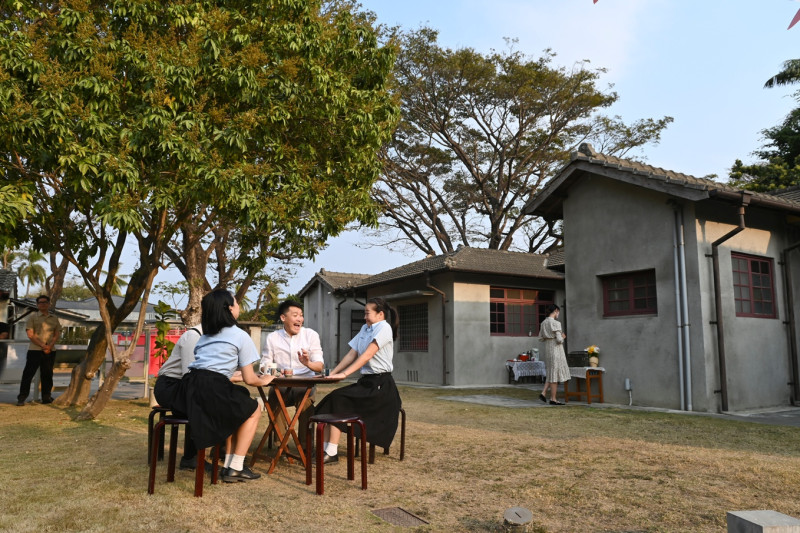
<point x="43" y="362"/>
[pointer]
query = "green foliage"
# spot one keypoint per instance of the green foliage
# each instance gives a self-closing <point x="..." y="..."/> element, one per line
<point x="163" y="346"/>
<point x="480" y="133"/>
<point x="74" y="291"/>
<point x="779" y="167"/>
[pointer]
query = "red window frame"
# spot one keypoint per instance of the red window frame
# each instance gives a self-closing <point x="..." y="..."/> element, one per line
<point x="753" y="286"/>
<point x="516" y="312"/>
<point x="630" y="294"/>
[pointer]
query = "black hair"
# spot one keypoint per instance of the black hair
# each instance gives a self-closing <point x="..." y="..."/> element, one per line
<point x="216" y="311"/>
<point x="42" y="297"/>
<point x="382" y="306"/>
<point x="550" y="308"/>
<point x="286" y="305"/>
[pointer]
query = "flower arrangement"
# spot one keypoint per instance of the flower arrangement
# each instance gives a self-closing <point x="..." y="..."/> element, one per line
<point x="593" y="350"/>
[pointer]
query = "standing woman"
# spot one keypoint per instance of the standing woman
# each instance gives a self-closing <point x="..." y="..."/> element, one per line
<point x="555" y="360"/>
<point x="217" y="409"/>
<point x="374" y="397"/>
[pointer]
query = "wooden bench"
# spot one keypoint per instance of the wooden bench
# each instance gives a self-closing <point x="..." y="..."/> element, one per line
<point x="589" y="375"/>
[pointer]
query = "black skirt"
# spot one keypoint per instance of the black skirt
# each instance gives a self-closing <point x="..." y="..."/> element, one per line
<point x="214" y="406"/>
<point x="375" y="399"/>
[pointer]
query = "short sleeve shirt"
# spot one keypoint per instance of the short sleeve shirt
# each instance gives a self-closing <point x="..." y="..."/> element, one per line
<point x="182" y="354"/>
<point x="45" y="327"/>
<point x="381" y="333"/>
<point x="225" y="352"/>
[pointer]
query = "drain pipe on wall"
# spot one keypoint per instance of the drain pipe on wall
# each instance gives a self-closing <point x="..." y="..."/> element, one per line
<point x="723" y="374"/>
<point x="678" y="305"/>
<point x="790" y="321"/>
<point x="339" y="330"/>
<point x="444" y="325"/>
<point x="682" y="311"/>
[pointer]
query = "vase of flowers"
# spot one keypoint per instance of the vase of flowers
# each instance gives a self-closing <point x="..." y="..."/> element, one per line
<point x="594" y="355"/>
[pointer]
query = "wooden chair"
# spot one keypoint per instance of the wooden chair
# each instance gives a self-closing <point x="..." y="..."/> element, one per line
<point x="321" y="421"/>
<point x="199" y="471"/>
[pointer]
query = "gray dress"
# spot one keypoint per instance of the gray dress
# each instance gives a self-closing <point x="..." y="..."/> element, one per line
<point x="553" y="351"/>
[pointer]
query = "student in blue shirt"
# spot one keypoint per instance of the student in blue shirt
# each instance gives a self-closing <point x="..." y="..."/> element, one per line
<point x="374" y="397"/>
<point x="217" y="408"/>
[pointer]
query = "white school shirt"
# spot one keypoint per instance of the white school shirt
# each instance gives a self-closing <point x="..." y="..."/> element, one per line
<point x="381" y="333"/>
<point x="281" y="348"/>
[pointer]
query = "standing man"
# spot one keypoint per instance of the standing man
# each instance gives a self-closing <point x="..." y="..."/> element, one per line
<point x="297" y="348"/>
<point x="43" y="330"/>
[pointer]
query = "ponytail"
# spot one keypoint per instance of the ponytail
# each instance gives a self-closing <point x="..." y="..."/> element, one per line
<point x="389" y="313"/>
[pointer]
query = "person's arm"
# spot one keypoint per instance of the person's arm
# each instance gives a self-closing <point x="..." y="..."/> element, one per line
<point x="249" y="376"/>
<point x="312" y="358"/>
<point x="35" y="338"/>
<point x="343" y="370"/>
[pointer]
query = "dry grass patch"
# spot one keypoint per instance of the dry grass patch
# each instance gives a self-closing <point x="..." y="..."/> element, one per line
<point x="576" y="468"/>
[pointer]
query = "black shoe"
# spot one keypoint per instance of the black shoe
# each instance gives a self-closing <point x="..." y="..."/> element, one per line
<point x="328" y="459"/>
<point x="191" y="464"/>
<point x="20" y="402"/>
<point x="222" y="472"/>
<point x="47" y="400"/>
<point x="542" y="397"/>
<point x="245" y="474"/>
<point x="555" y="402"/>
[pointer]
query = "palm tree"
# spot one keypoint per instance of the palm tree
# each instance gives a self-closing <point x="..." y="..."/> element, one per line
<point x="789" y="75"/>
<point x="118" y="283"/>
<point x="30" y="270"/>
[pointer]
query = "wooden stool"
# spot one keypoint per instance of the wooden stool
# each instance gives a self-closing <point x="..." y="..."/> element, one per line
<point x="199" y="471"/>
<point x="161" y="412"/>
<point x="386" y="450"/>
<point x="321" y="421"/>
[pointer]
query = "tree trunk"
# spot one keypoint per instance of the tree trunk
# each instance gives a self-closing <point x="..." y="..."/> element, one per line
<point x="103" y="394"/>
<point x="80" y="384"/>
<point x="55" y="282"/>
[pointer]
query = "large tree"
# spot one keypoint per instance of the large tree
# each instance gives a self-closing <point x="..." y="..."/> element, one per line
<point x="479" y="135"/>
<point x="124" y="119"/>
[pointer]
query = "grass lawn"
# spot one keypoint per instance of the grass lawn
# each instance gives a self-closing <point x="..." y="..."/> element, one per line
<point x="575" y="468"/>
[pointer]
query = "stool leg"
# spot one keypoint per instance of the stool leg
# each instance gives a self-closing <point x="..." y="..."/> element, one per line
<point x="309" y="447"/>
<point x="163" y="437"/>
<point x="363" y="454"/>
<point x="152" y="481"/>
<point x="372" y="453"/>
<point x="199" y="472"/>
<point x="215" y="468"/>
<point x="351" y="452"/>
<point x="402" y="433"/>
<point x="320" y="464"/>
<point x="173" y="450"/>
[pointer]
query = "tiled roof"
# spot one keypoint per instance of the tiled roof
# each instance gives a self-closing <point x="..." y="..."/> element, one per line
<point x="791" y="193"/>
<point x="653" y="175"/>
<point x="555" y="260"/>
<point x="335" y="281"/>
<point x="8" y="280"/>
<point x="475" y="260"/>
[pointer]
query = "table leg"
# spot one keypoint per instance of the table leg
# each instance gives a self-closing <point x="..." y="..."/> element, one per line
<point x="290" y="429"/>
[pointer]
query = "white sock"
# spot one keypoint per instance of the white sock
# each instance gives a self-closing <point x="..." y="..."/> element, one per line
<point x="237" y="463"/>
<point x="331" y="448"/>
<point x="228" y="459"/>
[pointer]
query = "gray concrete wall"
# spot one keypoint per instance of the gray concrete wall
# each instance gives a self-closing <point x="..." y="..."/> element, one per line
<point x="757" y="359"/>
<point x="639" y="236"/>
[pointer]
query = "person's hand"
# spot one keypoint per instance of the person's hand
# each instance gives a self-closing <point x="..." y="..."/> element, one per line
<point x="266" y="379"/>
<point x="302" y="355"/>
<point x="46" y="349"/>
<point x="338" y="375"/>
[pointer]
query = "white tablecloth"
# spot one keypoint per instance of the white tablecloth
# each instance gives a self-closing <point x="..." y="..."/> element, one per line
<point x="527" y="368"/>
<point x="580" y="371"/>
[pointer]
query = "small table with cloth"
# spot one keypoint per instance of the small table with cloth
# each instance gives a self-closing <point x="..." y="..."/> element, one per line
<point x="274" y="426"/>
<point x="520" y="369"/>
<point x="589" y="374"/>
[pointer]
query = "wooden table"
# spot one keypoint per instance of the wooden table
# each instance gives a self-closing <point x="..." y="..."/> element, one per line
<point x="274" y="427"/>
<point x="589" y="374"/>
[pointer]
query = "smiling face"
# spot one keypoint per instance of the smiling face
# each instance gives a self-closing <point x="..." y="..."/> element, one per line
<point x="371" y="316"/>
<point x="293" y="320"/>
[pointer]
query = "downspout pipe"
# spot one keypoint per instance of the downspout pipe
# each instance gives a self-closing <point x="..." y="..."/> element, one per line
<point x="444" y="324"/>
<point x="723" y="374"/>
<point x="790" y="320"/>
<point x="339" y="330"/>
<point x="678" y="307"/>
<point x="687" y="343"/>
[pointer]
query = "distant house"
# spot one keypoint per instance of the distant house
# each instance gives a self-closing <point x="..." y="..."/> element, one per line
<point x="689" y="286"/>
<point x="462" y="314"/>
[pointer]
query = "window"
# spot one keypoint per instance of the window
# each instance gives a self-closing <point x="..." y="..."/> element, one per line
<point x="356" y="321"/>
<point x="413" y="334"/>
<point x="753" y="287"/>
<point x="517" y="312"/>
<point x="633" y="293"/>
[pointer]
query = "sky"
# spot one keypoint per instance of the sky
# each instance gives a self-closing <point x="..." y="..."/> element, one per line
<point x="702" y="62"/>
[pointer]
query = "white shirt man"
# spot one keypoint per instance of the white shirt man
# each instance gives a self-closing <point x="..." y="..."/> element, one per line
<point x="297" y="348"/>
